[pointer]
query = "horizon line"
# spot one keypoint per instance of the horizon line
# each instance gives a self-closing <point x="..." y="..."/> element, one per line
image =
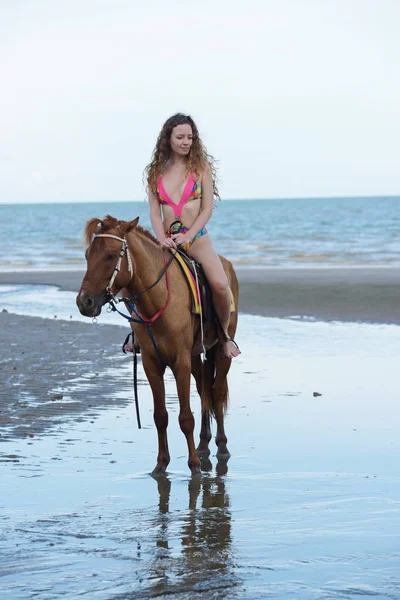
<point x="332" y="197"/>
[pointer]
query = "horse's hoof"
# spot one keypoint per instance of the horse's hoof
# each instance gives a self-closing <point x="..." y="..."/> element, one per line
<point x="159" y="471"/>
<point x="195" y="469"/>
<point x="205" y="464"/>
<point x="222" y="465"/>
<point x="222" y="468"/>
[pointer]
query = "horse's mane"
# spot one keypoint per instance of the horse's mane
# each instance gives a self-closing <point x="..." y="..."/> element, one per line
<point x="146" y="233"/>
<point x="94" y="226"/>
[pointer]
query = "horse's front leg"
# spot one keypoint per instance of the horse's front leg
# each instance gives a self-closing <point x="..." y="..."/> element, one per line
<point x="155" y="375"/>
<point x="182" y="371"/>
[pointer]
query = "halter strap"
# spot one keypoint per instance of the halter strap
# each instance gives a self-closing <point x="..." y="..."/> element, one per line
<point x="110" y="235"/>
<point x="124" y="249"/>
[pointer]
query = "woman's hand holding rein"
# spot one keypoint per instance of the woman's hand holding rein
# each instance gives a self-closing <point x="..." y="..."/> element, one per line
<point x="181" y="239"/>
<point x="169" y="243"/>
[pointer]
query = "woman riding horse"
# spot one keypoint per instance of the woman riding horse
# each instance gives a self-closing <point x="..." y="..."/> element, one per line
<point x="123" y="256"/>
<point x="181" y="180"/>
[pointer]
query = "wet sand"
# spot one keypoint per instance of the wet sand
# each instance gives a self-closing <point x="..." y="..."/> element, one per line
<point x="55" y="371"/>
<point x="370" y="295"/>
<point x="306" y="508"/>
<point x="37" y="393"/>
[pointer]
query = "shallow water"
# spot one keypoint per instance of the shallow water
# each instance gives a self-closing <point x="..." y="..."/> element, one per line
<point x="307" y="507"/>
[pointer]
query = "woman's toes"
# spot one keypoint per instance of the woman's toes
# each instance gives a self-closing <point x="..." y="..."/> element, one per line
<point x="230" y="349"/>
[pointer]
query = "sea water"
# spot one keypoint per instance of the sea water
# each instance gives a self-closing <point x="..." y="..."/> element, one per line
<point x="254" y="233"/>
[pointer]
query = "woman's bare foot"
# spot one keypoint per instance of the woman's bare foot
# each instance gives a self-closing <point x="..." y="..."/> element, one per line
<point x="230" y="348"/>
<point x="127" y="346"/>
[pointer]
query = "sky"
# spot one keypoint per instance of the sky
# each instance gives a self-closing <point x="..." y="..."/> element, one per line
<point x="295" y="98"/>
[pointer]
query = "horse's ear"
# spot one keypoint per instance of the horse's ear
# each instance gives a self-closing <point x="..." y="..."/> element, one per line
<point x="90" y="229"/>
<point x="132" y="225"/>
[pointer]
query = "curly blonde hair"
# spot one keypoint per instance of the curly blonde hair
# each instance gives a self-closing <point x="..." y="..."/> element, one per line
<point x="197" y="160"/>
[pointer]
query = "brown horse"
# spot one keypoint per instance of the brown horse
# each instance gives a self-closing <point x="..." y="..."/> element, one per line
<point x="123" y="256"/>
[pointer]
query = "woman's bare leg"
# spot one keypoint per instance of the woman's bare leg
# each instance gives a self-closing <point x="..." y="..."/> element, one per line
<point x="203" y="252"/>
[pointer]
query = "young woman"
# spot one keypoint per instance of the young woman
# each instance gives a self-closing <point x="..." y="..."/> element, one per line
<point x="181" y="182"/>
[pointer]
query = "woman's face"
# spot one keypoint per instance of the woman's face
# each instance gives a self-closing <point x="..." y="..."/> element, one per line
<point x="181" y="139"/>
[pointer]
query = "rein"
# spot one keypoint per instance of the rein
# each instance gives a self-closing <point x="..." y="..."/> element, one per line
<point x="130" y="302"/>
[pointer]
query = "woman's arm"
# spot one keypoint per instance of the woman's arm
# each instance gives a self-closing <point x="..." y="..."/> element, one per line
<point x="156" y="222"/>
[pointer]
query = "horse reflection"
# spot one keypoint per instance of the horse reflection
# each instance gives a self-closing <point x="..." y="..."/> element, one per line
<point x="194" y="545"/>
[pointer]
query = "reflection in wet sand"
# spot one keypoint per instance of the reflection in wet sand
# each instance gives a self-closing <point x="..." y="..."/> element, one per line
<point x="204" y="562"/>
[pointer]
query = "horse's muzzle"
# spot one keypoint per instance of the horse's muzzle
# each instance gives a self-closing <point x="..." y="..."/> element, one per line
<point x="89" y="305"/>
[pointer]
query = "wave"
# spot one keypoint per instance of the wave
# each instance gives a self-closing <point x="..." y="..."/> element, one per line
<point x="16" y="263"/>
<point x="311" y="257"/>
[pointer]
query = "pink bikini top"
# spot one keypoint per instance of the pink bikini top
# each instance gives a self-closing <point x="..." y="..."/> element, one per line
<point x="191" y="192"/>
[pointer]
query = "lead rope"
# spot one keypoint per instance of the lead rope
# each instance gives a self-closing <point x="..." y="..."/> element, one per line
<point x="135" y="388"/>
<point x="134" y="362"/>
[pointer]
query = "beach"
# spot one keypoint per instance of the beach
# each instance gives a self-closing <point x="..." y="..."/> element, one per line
<point x="72" y="351"/>
<point x="352" y="294"/>
<point x="285" y="166"/>
<point x="307" y="506"/>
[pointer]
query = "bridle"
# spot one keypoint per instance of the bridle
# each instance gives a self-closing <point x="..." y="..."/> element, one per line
<point x="130" y="302"/>
<point x="124" y="249"/>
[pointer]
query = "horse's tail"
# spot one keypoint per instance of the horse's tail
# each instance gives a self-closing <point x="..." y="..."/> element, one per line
<point x="207" y="380"/>
<point x="214" y="389"/>
<point x="220" y="393"/>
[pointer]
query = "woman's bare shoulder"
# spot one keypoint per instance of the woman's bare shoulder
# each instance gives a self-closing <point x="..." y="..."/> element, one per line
<point x="205" y="173"/>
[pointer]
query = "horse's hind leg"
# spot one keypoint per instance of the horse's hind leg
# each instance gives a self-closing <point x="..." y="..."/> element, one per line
<point x="155" y="376"/>
<point x="182" y="370"/>
<point x="220" y="403"/>
<point x="220" y="388"/>
<point x="205" y="432"/>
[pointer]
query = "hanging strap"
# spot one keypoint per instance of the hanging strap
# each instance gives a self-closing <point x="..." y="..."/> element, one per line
<point x="135" y="387"/>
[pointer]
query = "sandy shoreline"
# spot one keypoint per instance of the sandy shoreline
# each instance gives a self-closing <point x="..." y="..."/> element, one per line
<point x="55" y="371"/>
<point x="367" y="294"/>
<point x="76" y="356"/>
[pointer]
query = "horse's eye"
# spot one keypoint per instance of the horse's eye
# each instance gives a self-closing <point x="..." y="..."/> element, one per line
<point x="111" y="256"/>
<point x="86" y="254"/>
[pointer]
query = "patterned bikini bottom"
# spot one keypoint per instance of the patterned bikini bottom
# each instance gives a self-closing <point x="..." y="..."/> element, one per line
<point x="179" y="227"/>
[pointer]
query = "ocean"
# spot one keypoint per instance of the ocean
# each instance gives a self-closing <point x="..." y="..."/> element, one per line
<point x="251" y="233"/>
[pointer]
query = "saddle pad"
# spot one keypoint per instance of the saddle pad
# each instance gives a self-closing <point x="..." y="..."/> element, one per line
<point x="191" y="279"/>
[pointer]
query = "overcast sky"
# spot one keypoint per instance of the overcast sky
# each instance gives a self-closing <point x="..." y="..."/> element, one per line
<point x="294" y="97"/>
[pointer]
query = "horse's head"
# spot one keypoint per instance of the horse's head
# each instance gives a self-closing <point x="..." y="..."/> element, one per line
<point x="104" y="244"/>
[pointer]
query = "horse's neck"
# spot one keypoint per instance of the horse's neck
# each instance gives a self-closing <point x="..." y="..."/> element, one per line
<point x="148" y="262"/>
